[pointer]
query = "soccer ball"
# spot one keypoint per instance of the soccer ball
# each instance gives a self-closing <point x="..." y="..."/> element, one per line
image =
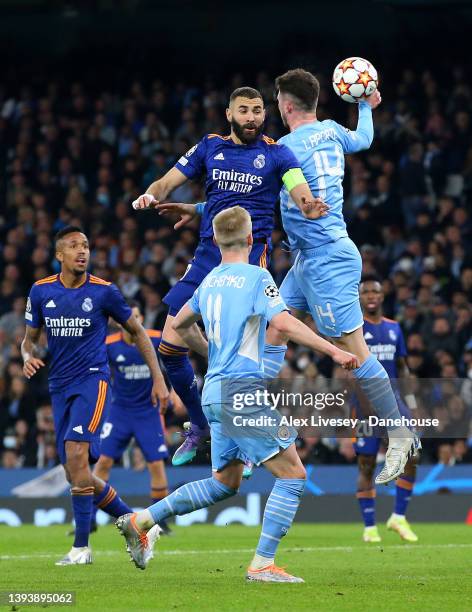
<point x="354" y="78"/>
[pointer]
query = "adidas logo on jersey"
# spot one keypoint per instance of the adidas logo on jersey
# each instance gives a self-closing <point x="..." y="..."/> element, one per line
<point x="219" y="156"/>
<point x="368" y="336"/>
<point x="121" y="358"/>
<point x="50" y="304"/>
<point x="162" y="448"/>
<point x="78" y="429"/>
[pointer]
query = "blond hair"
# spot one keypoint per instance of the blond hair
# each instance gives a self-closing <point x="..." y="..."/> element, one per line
<point x="231" y="227"/>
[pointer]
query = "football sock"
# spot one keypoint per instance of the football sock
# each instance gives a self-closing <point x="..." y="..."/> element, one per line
<point x="404" y="490"/>
<point x="375" y="383"/>
<point x="183" y="380"/>
<point x="187" y="498"/>
<point x="366" y="501"/>
<point x="274" y="356"/>
<point x="279" y="513"/>
<point x="110" y="502"/>
<point x="82" y="504"/>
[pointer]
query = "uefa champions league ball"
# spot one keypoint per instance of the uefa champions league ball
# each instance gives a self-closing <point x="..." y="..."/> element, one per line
<point x="354" y="78"/>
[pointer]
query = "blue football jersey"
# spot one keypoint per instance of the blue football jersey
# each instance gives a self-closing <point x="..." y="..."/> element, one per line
<point x="132" y="381"/>
<point x="76" y="323"/>
<point x="320" y="147"/>
<point x="385" y="341"/>
<point x="235" y="301"/>
<point x="246" y="175"/>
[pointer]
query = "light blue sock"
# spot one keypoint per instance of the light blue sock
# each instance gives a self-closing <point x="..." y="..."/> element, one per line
<point x="374" y="381"/>
<point x="279" y="513"/>
<point x="274" y="356"/>
<point x="191" y="496"/>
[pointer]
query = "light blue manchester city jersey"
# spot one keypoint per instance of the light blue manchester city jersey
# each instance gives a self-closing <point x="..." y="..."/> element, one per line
<point x="320" y="147"/>
<point x="235" y="301"/>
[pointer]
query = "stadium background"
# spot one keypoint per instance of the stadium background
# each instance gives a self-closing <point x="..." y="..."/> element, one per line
<point x="99" y="98"/>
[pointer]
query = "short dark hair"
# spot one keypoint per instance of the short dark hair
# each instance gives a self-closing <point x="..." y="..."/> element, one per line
<point x="302" y="85"/>
<point x="69" y="229"/>
<point x="245" y="92"/>
<point x="370" y="278"/>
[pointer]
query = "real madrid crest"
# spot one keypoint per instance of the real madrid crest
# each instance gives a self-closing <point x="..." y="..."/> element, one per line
<point x="87" y="305"/>
<point x="259" y="162"/>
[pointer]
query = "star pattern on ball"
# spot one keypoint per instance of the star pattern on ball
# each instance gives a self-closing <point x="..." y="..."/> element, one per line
<point x="343" y="87"/>
<point x="347" y="64"/>
<point x="364" y="78"/>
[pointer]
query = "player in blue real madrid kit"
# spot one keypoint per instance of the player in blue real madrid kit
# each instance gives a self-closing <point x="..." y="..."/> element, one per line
<point x="244" y="168"/>
<point x="324" y="279"/>
<point x="132" y="414"/>
<point x="384" y="338"/>
<point x="74" y="308"/>
<point x="236" y="300"/>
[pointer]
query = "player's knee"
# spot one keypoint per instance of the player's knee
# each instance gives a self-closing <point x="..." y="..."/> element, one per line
<point x="76" y="456"/>
<point x="367" y="465"/>
<point x="297" y="472"/>
<point x="226" y="487"/>
<point x="103" y="464"/>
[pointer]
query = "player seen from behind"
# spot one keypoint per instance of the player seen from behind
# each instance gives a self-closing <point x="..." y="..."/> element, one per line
<point x="236" y="301"/>
<point x="324" y="279"/>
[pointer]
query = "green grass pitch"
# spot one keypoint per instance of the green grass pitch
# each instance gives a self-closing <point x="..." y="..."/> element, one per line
<point x="202" y="568"/>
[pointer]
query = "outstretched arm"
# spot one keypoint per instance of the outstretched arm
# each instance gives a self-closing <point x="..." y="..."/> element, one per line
<point x="159" y="392"/>
<point x="300" y="333"/>
<point x="159" y="190"/>
<point x="31" y="364"/>
<point x="362" y="137"/>
<point x="185" y="325"/>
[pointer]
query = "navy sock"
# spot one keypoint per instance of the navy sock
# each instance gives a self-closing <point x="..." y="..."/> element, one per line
<point x="110" y="502"/>
<point x="366" y="501"/>
<point x="183" y="380"/>
<point x="189" y="497"/>
<point x="82" y="505"/>
<point x="404" y="490"/>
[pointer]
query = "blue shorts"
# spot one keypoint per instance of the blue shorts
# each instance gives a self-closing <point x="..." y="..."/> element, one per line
<point x="208" y="256"/>
<point x="79" y="411"/>
<point x="143" y="423"/>
<point x="258" y="443"/>
<point x="325" y="283"/>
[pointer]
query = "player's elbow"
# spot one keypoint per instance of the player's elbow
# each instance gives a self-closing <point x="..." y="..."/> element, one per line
<point x="281" y="324"/>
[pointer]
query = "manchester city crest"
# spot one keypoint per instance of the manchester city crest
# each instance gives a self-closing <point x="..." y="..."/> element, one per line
<point x="259" y="162"/>
<point x="87" y="305"/>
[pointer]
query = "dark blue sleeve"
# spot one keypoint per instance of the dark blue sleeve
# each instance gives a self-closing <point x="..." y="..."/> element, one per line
<point x="286" y="159"/>
<point x="401" y="346"/>
<point x="33" y="314"/>
<point x="116" y="306"/>
<point x="193" y="163"/>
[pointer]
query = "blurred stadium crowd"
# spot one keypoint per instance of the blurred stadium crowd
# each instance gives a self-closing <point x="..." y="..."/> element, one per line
<point x="74" y="156"/>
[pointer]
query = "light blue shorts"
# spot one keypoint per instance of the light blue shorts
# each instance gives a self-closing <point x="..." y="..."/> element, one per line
<point x="325" y="282"/>
<point x="232" y="439"/>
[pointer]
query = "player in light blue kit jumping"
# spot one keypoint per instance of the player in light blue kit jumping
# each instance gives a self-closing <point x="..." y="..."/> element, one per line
<point x="245" y="168"/>
<point x="235" y="301"/>
<point x="324" y="279"/>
